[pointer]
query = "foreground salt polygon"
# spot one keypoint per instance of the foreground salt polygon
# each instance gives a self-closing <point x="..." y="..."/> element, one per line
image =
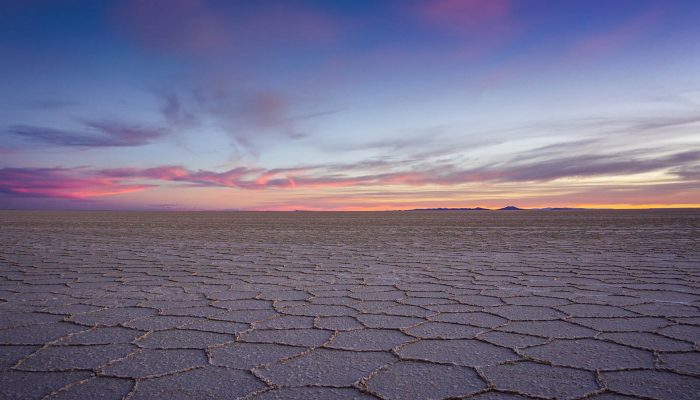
<point x="486" y="305"/>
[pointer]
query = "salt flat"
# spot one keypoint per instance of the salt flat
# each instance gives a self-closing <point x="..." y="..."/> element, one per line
<point x="396" y="305"/>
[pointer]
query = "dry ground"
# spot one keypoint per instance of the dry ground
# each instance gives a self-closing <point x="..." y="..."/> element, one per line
<point x="402" y="305"/>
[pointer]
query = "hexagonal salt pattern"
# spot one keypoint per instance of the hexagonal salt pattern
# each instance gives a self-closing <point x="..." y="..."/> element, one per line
<point x="598" y="305"/>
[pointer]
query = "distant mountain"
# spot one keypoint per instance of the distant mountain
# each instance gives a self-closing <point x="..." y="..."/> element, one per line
<point x="509" y="208"/>
<point x="451" y="209"/>
<point x="561" y="209"/>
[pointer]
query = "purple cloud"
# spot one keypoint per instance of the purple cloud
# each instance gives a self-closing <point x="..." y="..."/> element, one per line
<point x="81" y="183"/>
<point x="247" y="116"/>
<point x="465" y="16"/>
<point x="444" y="174"/>
<point x="176" y="113"/>
<point x="177" y="26"/>
<point x="47" y="104"/>
<point x="619" y="36"/>
<point x="100" y="134"/>
<point x="201" y="28"/>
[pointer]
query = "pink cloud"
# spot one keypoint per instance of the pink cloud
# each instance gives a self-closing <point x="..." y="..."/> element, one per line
<point x="249" y="116"/>
<point x="586" y="48"/>
<point x="199" y="27"/>
<point x="270" y="110"/>
<point x="80" y="183"/>
<point x="483" y="26"/>
<point x="289" y="21"/>
<point x="235" y="177"/>
<point x="69" y="183"/>
<point x="188" y="26"/>
<point x="462" y="16"/>
<point x="618" y="37"/>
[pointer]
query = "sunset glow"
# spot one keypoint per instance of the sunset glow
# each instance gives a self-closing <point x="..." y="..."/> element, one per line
<point x="349" y="105"/>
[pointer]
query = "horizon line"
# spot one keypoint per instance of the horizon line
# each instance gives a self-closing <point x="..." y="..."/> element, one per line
<point x="431" y="209"/>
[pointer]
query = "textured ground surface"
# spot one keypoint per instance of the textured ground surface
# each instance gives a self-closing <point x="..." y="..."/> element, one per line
<point x="406" y="305"/>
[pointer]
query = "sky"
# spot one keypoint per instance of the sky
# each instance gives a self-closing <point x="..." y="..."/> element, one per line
<point x="349" y="105"/>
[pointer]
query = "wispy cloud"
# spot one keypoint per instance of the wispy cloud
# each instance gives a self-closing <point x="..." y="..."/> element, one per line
<point x="689" y="173"/>
<point x="175" y="113"/>
<point x="270" y="110"/>
<point x="586" y="166"/>
<point x="95" y="134"/>
<point x="46" y="104"/>
<point x="578" y="166"/>
<point x="464" y="16"/>
<point x="82" y="183"/>
<point x="240" y="177"/>
<point x="588" y="46"/>
<point x="69" y="183"/>
<point x="443" y="174"/>
<point x="189" y="27"/>
<point x="617" y="37"/>
<point x="201" y="28"/>
<point x="479" y="26"/>
<point x="247" y="116"/>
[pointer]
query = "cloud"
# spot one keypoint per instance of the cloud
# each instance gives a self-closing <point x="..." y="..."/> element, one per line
<point x="176" y="113"/>
<point x="585" y="166"/>
<point x="176" y="26"/>
<point x="247" y="116"/>
<point x="619" y="36"/>
<point x="654" y="124"/>
<point x="47" y="104"/>
<point x="82" y="183"/>
<point x="230" y="178"/>
<point x="287" y="22"/>
<point x="444" y="174"/>
<point x="205" y="28"/>
<point x="464" y="16"/>
<point x="479" y="26"/>
<point x="270" y="110"/>
<point x="251" y="117"/>
<point x="99" y="134"/>
<point x="431" y="137"/>
<point x="689" y="173"/>
<point x="589" y="46"/>
<point x="68" y="183"/>
<point x="240" y="177"/>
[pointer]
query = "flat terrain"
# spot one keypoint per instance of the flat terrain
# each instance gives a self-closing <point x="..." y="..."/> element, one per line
<point x="400" y="305"/>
